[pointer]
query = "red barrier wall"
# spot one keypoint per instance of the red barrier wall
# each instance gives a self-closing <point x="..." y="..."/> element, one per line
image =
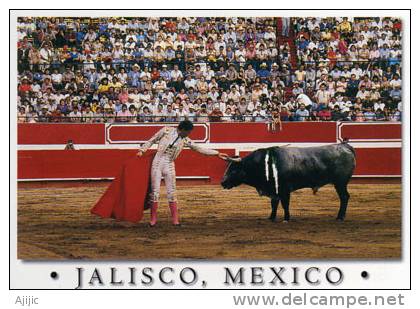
<point x="370" y="131"/>
<point x="141" y="133"/>
<point x="375" y="157"/>
<point x="60" y="133"/>
<point x="105" y="163"/>
<point x="297" y="132"/>
<point x="378" y="161"/>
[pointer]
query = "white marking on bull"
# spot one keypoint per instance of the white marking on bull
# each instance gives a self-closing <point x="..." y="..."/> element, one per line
<point x="267" y="172"/>
<point x="267" y="175"/>
<point x="276" y="177"/>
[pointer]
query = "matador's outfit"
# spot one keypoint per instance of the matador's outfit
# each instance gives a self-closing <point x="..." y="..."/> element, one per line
<point x="170" y="145"/>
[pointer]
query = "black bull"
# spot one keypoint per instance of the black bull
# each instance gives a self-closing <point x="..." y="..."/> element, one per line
<point x="277" y="171"/>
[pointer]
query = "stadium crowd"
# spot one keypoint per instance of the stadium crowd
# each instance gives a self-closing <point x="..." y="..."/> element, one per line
<point x="208" y="69"/>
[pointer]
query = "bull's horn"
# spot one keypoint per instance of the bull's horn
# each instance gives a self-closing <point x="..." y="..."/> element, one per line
<point x="238" y="159"/>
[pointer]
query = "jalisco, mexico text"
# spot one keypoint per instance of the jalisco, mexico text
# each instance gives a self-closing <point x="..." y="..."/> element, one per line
<point x="189" y="277"/>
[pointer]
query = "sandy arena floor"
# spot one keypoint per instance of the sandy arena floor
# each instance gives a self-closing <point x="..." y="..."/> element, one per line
<point x="55" y="223"/>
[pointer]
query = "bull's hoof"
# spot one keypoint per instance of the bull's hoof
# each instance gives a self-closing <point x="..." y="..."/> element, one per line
<point x="272" y="218"/>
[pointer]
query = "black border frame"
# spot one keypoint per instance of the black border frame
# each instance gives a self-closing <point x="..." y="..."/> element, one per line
<point x="209" y="289"/>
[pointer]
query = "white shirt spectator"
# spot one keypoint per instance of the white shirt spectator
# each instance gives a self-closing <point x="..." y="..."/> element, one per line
<point x="183" y="25"/>
<point x="378" y="105"/>
<point x="45" y="54"/>
<point x="190" y="45"/>
<point x="144" y="74"/>
<point x="36" y="88"/>
<point x="358" y="72"/>
<point x="131" y="36"/>
<point x="90" y="36"/>
<point x="145" y="97"/>
<point x="129" y="45"/>
<point x="56" y="78"/>
<point x="179" y="43"/>
<point x="168" y="96"/>
<point x="213" y="95"/>
<point x="159" y="86"/>
<point x="270" y="35"/>
<point x="217" y="45"/>
<point x="176" y="74"/>
<point x="363" y="94"/>
<point x="259" y="115"/>
<point x="323" y="96"/>
<point x="209" y="74"/>
<point x="153" y="25"/>
<point x="230" y="35"/>
<point x="190" y="83"/>
<point x="383" y="41"/>
<point x="395" y="83"/>
<point x="303" y="98"/>
<point x="235" y="96"/>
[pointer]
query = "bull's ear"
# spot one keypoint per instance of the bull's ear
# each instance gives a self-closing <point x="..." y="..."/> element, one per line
<point x="234" y="159"/>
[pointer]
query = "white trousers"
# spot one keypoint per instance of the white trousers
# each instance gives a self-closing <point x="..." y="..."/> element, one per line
<point x="163" y="165"/>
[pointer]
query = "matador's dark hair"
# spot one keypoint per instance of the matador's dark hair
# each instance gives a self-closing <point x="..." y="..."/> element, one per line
<point x="185" y="125"/>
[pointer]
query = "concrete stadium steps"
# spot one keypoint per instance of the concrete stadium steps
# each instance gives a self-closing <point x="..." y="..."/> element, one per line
<point x="290" y="40"/>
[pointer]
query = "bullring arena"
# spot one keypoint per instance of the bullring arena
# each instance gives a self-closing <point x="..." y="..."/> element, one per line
<point x="216" y="225"/>
<point x="53" y="207"/>
<point x="107" y="84"/>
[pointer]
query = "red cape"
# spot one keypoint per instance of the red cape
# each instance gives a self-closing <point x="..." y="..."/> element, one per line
<point x="127" y="196"/>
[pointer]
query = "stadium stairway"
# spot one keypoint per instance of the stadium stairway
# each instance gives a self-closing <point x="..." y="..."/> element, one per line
<point x="290" y="40"/>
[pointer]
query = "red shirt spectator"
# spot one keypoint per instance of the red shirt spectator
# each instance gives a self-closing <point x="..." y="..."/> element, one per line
<point x="25" y="86"/>
<point x="324" y="114"/>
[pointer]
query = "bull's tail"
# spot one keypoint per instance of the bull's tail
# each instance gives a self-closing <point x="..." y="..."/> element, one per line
<point x="345" y="143"/>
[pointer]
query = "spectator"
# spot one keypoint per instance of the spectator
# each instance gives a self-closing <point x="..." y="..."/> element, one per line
<point x="324" y="113"/>
<point x="336" y="114"/>
<point x="302" y="113"/>
<point x="369" y="115"/>
<point x="69" y="145"/>
<point x="216" y="114"/>
<point x="226" y="62"/>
